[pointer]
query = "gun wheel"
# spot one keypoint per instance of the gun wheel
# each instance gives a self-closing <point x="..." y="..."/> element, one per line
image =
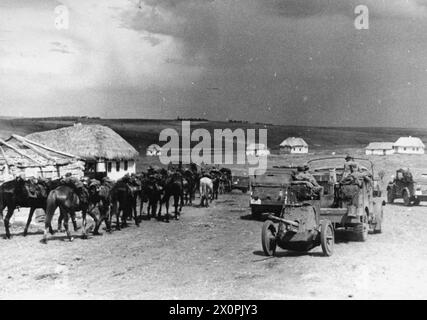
<point x="327" y="237"/>
<point x="268" y="238"/>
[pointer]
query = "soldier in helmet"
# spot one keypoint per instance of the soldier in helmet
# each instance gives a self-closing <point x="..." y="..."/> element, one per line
<point x="303" y="174"/>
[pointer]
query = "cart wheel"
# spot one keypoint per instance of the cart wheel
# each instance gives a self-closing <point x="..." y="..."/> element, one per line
<point x="327" y="237"/>
<point x="268" y="238"/>
<point x="406" y="199"/>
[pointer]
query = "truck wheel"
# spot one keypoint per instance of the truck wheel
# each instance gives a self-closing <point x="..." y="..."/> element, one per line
<point x="268" y="238"/>
<point x="361" y="231"/>
<point x="406" y="199"/>
<point x="379" y="219"/>
<point x="327" y="238"/>
<point x="390" y="196"/>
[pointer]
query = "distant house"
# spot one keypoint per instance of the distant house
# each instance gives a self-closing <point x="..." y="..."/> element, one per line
<point x="257" y="149"/>
<point x="409" y="145"/>
<point x="294" y="145"/>
<point x="154" y="150"/>
<point x="104" y="152"/>
<point x="379" y="148"/>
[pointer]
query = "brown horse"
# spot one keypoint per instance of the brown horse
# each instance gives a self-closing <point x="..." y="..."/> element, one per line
<point x="69" y="200"/>
<point x="24" y="194"/>
<point x="123" y="199"/>
<point x="173" y="187"/>
<point x="100" y="196"/>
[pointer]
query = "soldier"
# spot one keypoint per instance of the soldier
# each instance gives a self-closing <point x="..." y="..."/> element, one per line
<point x="304" y="175"/>
<point x="350" y="166"/>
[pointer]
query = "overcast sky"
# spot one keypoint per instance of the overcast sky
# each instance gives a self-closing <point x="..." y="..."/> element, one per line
<point x="282" y="61"/>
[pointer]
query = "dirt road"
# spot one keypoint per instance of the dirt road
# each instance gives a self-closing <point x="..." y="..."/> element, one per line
<point x="216" y="253"/>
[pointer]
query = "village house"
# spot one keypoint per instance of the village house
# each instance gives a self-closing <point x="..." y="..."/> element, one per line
<point x="23" y="157"/>
<point x="257" y="149"/>
<point x="154" y="150"/>
<point x="294" y="145"/>
<point x="104" y="152"/>
<point x="409" y="145"/>
<point x="379" y="148"/>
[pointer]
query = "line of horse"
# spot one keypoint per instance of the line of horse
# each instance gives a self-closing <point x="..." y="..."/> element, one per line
<point x="102" y="200"/>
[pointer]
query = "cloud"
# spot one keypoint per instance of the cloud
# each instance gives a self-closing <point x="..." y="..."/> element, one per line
<point x="288" y="61"/>
<point x="377" y="8"/>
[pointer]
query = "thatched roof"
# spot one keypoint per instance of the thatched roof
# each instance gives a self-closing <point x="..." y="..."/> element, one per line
<point x="89" y="142"/>
<point x="294" y="142"/>
<point x="380" y="146"/>
<point x="20" y="152"/>
<point x="409" y="142"/>
<point x="154" y="147"/>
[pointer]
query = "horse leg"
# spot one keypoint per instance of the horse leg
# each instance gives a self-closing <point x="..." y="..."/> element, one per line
<point x="103" y="216"/>
<point x="66" y="219"/>
<point x="134" y="211"/>
<point x="84" y="234"/>
<point x="93" y="216"/>
<point x="47" y="226"/>
<point x="60" y="218"/>
<point x="167" y="208"/>
<point x="176" y="203"/>
<point x="117" y="212"/>
<point x="30" y="217"/>
<point x="9" y="214"/>
<point x="159" y="214"/>
<point x="154" y="208"/>
<point x="126" y="214"/>
<point x="141" y="206"/>
<point x="108" y="218"/>
<point x="149" y="205"/>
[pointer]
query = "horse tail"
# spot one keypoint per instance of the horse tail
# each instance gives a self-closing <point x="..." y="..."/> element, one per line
<point x="203" y="189"/>
<point x="51" y="205"/>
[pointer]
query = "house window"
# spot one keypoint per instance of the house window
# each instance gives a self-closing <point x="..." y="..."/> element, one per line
<point x="117" y="166"/>
<point x="126" y="165"/>
<point x="404" y="149"/>
<point x="109" y="166"/>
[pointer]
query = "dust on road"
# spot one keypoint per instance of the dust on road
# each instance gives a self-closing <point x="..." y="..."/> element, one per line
<point x="216" y="253"/>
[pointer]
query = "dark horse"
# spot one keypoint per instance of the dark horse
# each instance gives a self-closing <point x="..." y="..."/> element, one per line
<point x="25" y="194"/>
<point x="100" y="196"/>
<point x="153" y="190"/>
<point x="69" y="200"/>
<point x="123" y="198"/>
<point x="190" y="186"/>
<point x="173" y="187"/>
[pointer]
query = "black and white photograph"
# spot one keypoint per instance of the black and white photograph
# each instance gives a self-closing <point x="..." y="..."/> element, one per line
<point x="213" y="150"/>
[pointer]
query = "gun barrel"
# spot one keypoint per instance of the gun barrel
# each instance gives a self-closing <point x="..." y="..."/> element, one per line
<point x="292" y="223"/>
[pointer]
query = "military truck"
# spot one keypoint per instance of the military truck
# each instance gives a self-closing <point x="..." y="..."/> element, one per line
<point x="267" y="190"/>
<point x="349" y="201"/>
<point x="403" y="186"/>
<point x="240" y="181"/>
